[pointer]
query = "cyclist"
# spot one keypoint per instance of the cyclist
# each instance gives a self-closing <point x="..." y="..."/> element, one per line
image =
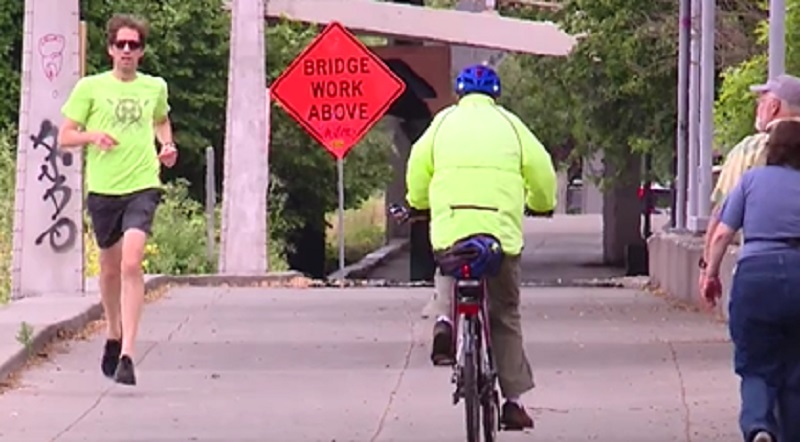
<point x="476" y="167"/>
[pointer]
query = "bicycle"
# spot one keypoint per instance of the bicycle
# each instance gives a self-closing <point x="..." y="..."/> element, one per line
<point x="474" y="371"/>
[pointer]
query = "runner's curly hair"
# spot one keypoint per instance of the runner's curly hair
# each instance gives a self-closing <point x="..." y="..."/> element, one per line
<point x="119" y="21"/>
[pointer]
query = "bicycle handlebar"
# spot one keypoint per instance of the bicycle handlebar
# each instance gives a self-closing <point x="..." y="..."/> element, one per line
<point x="535" y="214"/>
<point x="403" y="214"/>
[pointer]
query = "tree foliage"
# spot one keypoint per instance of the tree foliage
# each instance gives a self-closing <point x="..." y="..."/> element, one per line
<point x="734" y="109"/>
<point x="189" y="47"/>
<point x="615" y="92"/>
<point x="11" y="18"/>
<point x="299" y="164"/>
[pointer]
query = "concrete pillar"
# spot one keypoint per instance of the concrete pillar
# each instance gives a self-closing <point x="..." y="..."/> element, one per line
<point x="243" y="245"/>
<point x="462" y="56"/>
<point x="592" y="196"/>
<point x="777" y="37"/>
<point x="562" y="194"/>
<point x="396" y="190"/>
<point x="48" y="217"/>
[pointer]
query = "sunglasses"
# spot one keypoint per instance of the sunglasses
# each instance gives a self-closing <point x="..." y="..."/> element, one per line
<point x="132" y="45"/>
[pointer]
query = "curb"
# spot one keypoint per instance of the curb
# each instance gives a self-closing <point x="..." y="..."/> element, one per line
<point x="372" y="260"/>
<point x="76" y="323"/>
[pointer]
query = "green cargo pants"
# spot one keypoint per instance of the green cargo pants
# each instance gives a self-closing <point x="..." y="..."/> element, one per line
<point x="513" y="369"/>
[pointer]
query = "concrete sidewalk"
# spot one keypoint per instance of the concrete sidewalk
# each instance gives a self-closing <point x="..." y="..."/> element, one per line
<point x="297" y="365"/>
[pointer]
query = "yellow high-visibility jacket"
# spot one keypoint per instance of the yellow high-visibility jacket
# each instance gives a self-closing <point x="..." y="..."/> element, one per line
<point x="473" y="167"/>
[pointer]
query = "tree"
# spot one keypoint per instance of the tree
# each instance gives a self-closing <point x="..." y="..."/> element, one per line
<point x="11" y="20"/>
<point x="616" y="93"/>
<point x="305" y="173"/>
<point x="734" y="110"/>
<point x="613" y="94"/>
<point x="189" y="47"/>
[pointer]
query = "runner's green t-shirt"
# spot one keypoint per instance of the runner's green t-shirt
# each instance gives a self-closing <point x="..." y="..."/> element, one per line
<point x="127" y="111"/>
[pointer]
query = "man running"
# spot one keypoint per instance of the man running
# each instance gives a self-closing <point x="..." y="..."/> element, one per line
<point x="472" y="168"/>
<point x="117" y="114"/>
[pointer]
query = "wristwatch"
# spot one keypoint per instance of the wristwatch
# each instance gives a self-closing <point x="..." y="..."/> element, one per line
<point x="702" y="263"/>
<point x="170" y="144"/>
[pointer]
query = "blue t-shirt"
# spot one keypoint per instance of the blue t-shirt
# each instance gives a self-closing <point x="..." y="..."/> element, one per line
<point x="765" y="204"/>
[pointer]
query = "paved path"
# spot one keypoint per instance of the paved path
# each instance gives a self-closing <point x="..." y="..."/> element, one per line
<point x="566" y="247"/>
<point x="294" y="365"/>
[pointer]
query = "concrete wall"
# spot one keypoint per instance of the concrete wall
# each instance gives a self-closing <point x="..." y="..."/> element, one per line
<point x="48" y="221"/>
<point x="673" y="262"/>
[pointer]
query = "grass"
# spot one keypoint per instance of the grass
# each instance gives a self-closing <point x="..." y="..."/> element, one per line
<point x="7" y="172"/>
<point x="364" y="231"/>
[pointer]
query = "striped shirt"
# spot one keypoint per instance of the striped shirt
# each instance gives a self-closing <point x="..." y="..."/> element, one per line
<point x="749" y="153"/>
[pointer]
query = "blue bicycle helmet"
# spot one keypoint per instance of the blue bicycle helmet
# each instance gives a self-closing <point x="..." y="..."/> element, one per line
<point x="478" y="78"/>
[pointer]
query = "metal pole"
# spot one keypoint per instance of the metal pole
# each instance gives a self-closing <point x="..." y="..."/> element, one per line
<point x="683" y="110"/>
<point x="648" y="195"/>
<point x="83" y="43"/>
<point x="706" y="113"/>
<point x="694" y="117"/>
<point x="340" y="169"/>
<point x="777" y="37"/>
<point x="211" y="199"/>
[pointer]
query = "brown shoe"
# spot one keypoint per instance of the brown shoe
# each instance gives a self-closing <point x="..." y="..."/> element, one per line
<point x="442" y="353"/>
<point x="515" y="418"/>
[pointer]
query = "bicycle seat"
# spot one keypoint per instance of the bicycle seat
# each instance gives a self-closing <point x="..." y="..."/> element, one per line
<point x="473" y="257"/>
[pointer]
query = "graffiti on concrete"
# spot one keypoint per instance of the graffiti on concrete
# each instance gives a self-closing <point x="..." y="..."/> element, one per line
<point x="51" y="50"/>
<point x="63" y="231"/>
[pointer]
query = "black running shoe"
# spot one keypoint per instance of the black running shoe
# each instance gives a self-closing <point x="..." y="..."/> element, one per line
<point x="111" y="357"/>
<point x="442" y="353"/>
<point x="125" y="374"/>
<point x="514" y="417"/>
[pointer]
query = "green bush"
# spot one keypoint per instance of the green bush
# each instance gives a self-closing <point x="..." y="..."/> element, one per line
<point x="7" y="172"/>
<point x="178" y="243"/>
<point x="734" y="111"/>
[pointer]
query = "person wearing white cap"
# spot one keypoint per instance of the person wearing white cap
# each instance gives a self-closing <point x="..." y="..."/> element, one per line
<point x="778" y="100"/>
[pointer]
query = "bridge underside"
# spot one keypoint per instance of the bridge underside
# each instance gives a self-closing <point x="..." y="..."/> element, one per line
<point x="410" y="22"/>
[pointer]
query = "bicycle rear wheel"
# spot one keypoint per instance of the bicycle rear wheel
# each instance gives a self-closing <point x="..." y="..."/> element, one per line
<point x="491" y="417"/>
<point x="472" y="401"/>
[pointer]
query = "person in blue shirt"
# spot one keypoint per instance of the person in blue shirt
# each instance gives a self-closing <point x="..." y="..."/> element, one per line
<point x="765" y="295"/>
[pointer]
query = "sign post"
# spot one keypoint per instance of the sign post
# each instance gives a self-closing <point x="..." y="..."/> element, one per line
<point x="337" y="89"/>
<point x="340" y="233"/>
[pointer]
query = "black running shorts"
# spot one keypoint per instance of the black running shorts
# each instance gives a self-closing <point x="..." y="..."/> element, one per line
<point x="112" y="215"/>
